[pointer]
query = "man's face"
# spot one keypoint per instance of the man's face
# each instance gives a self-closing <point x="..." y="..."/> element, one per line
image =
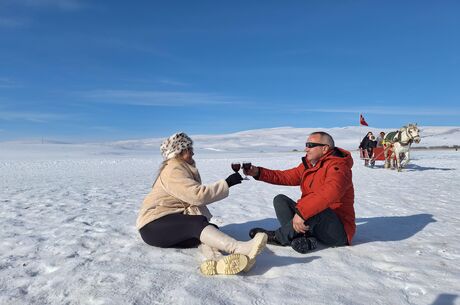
<point x="315" y="153"/>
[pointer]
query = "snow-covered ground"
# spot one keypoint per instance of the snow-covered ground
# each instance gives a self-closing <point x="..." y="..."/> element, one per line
<point x="67" y="233"/>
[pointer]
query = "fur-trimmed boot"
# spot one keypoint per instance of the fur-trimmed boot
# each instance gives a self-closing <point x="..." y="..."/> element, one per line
<point x="234" y="263"/>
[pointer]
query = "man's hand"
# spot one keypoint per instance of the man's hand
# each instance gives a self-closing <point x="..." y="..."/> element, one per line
<point x="299" y="224"/>
<point x="253" y="171"/>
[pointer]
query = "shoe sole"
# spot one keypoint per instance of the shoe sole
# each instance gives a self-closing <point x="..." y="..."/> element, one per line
<point x="260" y="241"/>
<point x="251" y="264"/>
<point x="228" y="265"/>
<point x="208" y="267"/>
<point x="303" y="245"/>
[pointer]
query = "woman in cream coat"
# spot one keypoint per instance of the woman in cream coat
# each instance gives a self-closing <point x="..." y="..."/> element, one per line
<point x="174" y="213"/>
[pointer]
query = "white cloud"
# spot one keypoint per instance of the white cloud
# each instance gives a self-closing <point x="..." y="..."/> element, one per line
<point x="68" y="5"/>
<point x="391" y="109"/>
<point x="104" y="128"/>
<point x="34" y="117"/>
<point x="7" y="22"/>
<point x="8" y="83"/>
<point x="158" y="98"/>
<point x="171" y="82"/>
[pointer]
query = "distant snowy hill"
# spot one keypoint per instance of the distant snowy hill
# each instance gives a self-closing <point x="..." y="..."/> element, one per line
<point x="289" y="138"/>
<point x="281" y="139"/>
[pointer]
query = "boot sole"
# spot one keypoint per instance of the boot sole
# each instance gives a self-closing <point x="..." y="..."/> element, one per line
<point x="303" y="245"/>
<point x="260" y="242"/>
<point x="228" y="265"/>
<point x="251" y="263"/>
<point x="208" y="267"/>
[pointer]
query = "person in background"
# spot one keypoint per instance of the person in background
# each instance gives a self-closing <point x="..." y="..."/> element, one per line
<point x="325" y="211"/>
<point x="174" y="213"/>
<point x="380" y="139"/>
<point x="368" y="144"/>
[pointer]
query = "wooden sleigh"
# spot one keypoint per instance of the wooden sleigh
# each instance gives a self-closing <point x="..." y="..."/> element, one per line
<point x="378" y="155"/>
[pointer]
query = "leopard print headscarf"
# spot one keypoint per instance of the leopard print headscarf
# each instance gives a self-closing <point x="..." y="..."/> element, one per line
<point x="174" y="145"/>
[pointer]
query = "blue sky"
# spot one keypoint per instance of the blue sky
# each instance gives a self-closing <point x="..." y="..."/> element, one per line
<point x="80" y="70"/>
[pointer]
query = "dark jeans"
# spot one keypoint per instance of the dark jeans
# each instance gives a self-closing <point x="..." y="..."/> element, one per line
<point x="325" y="226"/>
<point x="174" y="231"/>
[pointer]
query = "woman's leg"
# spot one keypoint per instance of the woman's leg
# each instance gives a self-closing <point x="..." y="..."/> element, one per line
<point x="174" y="231"/>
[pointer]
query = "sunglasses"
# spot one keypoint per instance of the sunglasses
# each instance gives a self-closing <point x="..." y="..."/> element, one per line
<point x="312" y="144"/>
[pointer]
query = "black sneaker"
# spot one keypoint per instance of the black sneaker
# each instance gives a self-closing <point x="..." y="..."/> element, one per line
<point x="304" y="244"/>
<point x="271" y="236"/>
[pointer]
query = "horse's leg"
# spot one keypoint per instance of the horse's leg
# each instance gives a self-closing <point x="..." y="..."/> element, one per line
<point x="393" y="156"/>
<point x="406" y="159"/>
<point x="385" y="155"/>
<point x="399" y="160"/>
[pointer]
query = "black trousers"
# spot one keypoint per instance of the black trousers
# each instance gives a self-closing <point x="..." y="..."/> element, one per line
<point x="325" y="226"/>
<point x="174" y="231"/>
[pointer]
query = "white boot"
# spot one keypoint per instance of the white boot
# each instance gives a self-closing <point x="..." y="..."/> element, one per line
<point x="211" y="257"/>
<point x="217" y="239"/>
<point x="210" y="252"/>
<point x="230" y="264"/>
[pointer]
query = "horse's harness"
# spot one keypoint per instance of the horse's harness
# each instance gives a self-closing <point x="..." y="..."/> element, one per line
<point x="398" y="138"/>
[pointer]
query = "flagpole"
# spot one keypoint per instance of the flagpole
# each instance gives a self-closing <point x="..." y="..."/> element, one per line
<point x="360" y="128"/>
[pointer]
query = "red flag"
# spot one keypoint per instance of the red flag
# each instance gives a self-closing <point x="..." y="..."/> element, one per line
<point x="362" y="121"/>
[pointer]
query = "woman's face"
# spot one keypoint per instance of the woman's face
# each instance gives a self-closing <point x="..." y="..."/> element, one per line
<point x="187" y="155"/>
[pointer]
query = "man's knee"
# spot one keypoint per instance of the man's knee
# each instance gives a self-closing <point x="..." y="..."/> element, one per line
<point x="279" y="200"/>
<point x="327" y="227"/>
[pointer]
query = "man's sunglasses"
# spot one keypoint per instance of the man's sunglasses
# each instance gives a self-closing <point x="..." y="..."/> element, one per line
<point x="312" y="144"/>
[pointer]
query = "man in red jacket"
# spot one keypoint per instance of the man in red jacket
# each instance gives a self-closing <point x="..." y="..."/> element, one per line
<point x="325" y="210"/>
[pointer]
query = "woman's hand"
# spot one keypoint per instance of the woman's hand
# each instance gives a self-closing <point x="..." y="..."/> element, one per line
<point x="234" y="179"/>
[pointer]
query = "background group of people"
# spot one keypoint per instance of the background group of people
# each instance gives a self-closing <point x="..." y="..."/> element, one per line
<point x="368" y="143"/>
<point x="174" y="213"/>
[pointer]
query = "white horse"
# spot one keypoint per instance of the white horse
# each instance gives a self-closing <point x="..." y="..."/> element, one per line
<point x="399" y="142"/>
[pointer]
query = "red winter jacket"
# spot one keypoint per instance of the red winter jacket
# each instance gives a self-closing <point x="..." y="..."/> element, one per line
<point x="328" y="184"/>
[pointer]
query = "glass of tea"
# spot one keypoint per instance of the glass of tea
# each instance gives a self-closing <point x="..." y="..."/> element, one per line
<point x="246" y="166"/>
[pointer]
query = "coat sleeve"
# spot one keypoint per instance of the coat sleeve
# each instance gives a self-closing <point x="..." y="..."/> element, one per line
<point x="181" y="185"/>
<point x="291" y="176"/>
<point x="338" y="181"/>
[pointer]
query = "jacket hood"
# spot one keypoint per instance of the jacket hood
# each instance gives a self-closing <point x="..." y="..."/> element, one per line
<point x="337" y="154"/>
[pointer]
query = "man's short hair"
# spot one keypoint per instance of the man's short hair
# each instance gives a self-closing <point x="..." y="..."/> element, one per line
<point x="325" y="138"/>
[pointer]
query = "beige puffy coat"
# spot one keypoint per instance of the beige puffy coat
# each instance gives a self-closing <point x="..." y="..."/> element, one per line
<point x="178" y="189"/>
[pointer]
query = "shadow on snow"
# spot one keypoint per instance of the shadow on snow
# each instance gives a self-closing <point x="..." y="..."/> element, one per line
<point x="384" y="228"/>
<point x="240" y="231"/>
<point x="415" y="168"/>
<point x="445" y="299"/>
<point x="390" y="228"/>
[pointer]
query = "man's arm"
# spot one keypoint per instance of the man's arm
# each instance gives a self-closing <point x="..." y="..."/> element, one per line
<point x="291" y="176"/>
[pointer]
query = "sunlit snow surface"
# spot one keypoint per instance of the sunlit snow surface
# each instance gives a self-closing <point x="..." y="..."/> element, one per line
<point x="67" y="233"/>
